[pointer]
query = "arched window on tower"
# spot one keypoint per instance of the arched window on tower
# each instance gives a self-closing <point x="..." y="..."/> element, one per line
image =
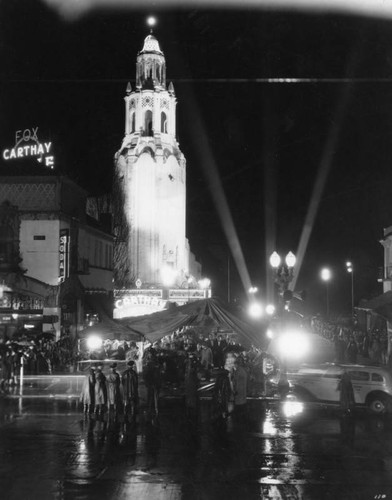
<point x="148" y="123"/>
<point x="163" y="123"/>
<point x="133" y="120"/>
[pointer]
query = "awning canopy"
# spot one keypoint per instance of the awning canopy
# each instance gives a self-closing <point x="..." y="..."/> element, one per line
<point x="111" y="330"/>
<point x="381" y="305"/>
<point x="107" y="328"/>
<point x="208" y="314"/>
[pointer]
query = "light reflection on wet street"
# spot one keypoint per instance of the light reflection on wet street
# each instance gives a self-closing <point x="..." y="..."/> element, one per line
<point x="50" y="451"/>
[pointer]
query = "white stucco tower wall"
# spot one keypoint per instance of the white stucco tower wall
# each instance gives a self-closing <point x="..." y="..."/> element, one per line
<point x="152" y="172"/>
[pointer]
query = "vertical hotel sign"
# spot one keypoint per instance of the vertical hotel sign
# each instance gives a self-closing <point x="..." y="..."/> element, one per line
<point x="64" y="255"/>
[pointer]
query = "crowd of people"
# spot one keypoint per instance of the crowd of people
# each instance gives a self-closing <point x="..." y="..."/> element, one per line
<point x="39" y="355"/>
<point x="235" y="375"/>
<point x="113" y="392"/>
<point x="208" y="355"/>
<point x="352" y="344"/>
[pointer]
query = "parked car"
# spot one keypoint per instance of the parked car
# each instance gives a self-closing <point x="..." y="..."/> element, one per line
<point x="372" y="384"/>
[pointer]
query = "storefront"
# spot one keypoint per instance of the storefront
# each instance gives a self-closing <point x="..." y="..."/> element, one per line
<point x="26" y="306"/>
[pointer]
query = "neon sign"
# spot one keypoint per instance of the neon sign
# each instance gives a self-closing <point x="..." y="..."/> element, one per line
<point x="33" y="147"/>
<point x="140" y="300"/>
<point x="137" y="302"/>
<point x="64" y="255"/>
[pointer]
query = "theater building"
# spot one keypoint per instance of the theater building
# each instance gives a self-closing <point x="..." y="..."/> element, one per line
<point x="153" y="259"/>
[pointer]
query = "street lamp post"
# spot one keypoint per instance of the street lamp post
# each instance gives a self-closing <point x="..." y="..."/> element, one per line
<point x="284" y="272"/>
<point x="326" y="276"/>
<point x="350" y="269"/>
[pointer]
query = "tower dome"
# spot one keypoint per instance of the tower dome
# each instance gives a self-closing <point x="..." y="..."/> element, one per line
<point x="151" y="44"/>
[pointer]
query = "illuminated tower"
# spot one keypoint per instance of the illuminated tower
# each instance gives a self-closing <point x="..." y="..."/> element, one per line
<point x="150" y="177"/>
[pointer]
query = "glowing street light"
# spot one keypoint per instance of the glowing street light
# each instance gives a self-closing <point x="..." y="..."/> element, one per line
<point x="94" y="342"/>
<point x="269" y="333"/>
<point x="270" y="309"/>
<point x="290" y="260"/>
<point x="255" y="310"/>
<point x="275" y="260"/>
<point x="168" y="275"/>
<point x="293" y="344"/>
<point x="326" y="276"/>
<point x="253" y="289"/>
<point x="204" y="283"/>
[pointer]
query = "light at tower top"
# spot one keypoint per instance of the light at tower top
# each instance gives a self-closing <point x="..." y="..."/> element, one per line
<point x="151" y="21"/>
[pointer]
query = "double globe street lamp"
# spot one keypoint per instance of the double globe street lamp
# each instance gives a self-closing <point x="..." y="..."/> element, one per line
<point x="284" y="272"/>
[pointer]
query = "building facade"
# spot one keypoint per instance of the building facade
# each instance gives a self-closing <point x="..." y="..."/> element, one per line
<point x="386" y="242"/>
<point x="151" y="248"/>
<point x="53" y="256"/>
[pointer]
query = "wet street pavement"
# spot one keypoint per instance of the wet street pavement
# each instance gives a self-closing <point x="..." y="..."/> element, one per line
<point x="49" y="450"/>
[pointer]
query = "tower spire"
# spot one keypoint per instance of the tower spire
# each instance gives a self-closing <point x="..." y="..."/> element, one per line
<point x="151" y="21"/>
<point x="151" y="66"/>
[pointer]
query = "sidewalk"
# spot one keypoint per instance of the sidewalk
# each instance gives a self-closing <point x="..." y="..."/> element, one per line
<point x="69" y="387"/>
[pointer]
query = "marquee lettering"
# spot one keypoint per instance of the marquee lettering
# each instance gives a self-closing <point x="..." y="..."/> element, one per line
<point x="139" y="300"/>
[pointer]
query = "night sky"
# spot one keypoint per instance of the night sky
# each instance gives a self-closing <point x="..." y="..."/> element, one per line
<point x="267" y="139"/>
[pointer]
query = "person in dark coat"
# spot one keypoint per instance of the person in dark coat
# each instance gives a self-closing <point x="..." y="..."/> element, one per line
<point x="352" y="350"/>
<point x="152" y="379"/>
<point x="191" y="385"/>
<point x="340" y="347"/>
<point x="113" y="382"/>
<point x="222" y="394"/>
<point x="101" y="394"/>
<point x="130" y="390"/>
<point x="218" y="352"/>
<point x="87" y="396"/>
<point x="240" y="389"/>
<point x="347" y="401"/>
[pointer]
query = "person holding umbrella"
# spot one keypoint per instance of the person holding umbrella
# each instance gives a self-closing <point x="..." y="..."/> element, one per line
<point x="101" y="394"/>
<point x="87" y="396"/>
<point x="113" y="382"/>
<point x="130" y="390"/>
